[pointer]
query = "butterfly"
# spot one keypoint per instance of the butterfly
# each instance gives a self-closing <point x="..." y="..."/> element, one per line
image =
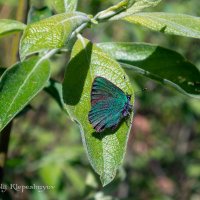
<point x="109" y="105"/>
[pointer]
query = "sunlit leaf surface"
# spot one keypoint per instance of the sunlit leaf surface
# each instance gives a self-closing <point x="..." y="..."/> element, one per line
<point x="105" y="150"/>
<point x="50" y="33"/>
<point x="158" y="63"/>
<point x="176" y="24"/>
<point x="8" y="26"/>
<point x="19" y="84"/>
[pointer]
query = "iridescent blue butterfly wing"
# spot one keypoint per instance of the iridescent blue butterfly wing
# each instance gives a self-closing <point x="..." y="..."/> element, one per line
<point x="105" y="114"/>
<point x="107" y="104"/>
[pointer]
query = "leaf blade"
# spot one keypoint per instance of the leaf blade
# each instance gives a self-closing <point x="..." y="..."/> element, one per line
<point x="8" y="26"/>
<point x="70" y="5"/>
<point x="51" y="33"/>
<point x="136" y="6"/>
<point x="105" y="152"/>
<point x="125" y="8"/>
<point x="19" y="84"/>
<point x="36" y="14"/>
<point x="158" y="63"/>
<point x="66" y="6"/>
<point x="169" y="23"/>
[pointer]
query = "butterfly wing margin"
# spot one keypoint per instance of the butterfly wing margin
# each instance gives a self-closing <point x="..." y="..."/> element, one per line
<point x="107" y="104"/>
<point x="104" y="115"/>
<point x="103" y="89"/>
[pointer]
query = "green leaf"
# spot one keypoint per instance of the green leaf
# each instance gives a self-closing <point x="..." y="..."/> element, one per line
<point x="126" y="8"/>
<point x="19" y="84"/>
<point x="61" y="6"/>
<point x="157" y="63"/>
<point x="105" y="150"/>
<point x="51" y="33"/>
<point x="138" y="5"/>
<point x="57" y="5"/>
<point x="26" y="108"/>
<point x="8" y="26"/>
<point x="70" y="5"/>
<point x="176" y="24"/>
<point x="113" y="10"/>
<point x="35" y="14"/>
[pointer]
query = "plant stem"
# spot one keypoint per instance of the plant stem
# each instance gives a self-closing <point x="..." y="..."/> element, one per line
<point x="5" y="133"/>
<point x="20" y="16"/>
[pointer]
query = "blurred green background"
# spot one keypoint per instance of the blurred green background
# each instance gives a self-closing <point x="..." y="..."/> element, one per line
<point x="163" y="155"/>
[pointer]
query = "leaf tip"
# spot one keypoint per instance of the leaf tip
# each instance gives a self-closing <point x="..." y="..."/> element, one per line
<point x="106" y="178"/>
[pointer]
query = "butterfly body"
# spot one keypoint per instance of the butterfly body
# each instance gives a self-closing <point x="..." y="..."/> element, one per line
<point x="109" y="105"/>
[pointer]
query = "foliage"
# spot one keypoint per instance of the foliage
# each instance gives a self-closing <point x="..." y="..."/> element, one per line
<point x="52" y="39"/>
<point x="108" y="148"/>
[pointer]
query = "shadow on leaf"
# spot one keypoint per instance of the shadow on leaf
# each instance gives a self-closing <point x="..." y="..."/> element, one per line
<point x="75" y="76"/>
<point x="108" y="131"/>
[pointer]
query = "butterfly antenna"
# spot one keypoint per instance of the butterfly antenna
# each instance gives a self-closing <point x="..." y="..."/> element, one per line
<point x="141" y="91"/>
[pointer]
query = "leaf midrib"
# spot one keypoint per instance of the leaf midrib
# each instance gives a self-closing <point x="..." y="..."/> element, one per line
<point x="21" y="87"/>
<point x="187" y="30"/>
<point x="70" y="18"/>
